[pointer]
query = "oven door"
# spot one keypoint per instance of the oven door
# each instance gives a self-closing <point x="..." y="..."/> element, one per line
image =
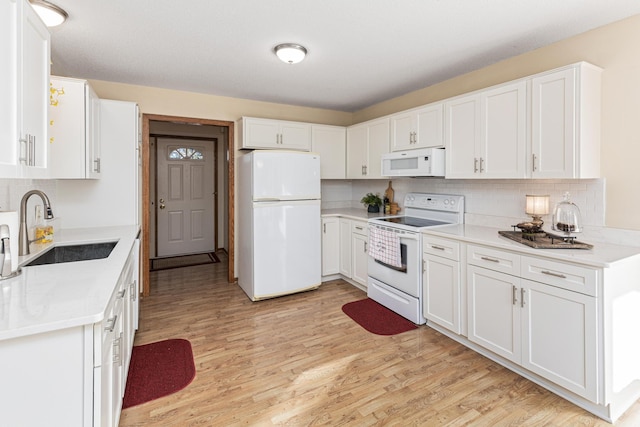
<point x="407" y="278"/>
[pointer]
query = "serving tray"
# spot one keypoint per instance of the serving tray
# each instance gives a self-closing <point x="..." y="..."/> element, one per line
<point x="545" y="240"/>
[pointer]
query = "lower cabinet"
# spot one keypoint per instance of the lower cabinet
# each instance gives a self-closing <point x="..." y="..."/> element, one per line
<point x="359" y="256"/>
<point x="441" y="283"/>
<point x="350" y="259"/>
<point x="540" y="326"/>
<point x="76" y="375"/>
<point x="330" y="246"/>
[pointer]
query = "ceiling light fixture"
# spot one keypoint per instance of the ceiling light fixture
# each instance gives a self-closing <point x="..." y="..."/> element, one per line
<point x="51" y="15"/>
<point x="290" y="53"/>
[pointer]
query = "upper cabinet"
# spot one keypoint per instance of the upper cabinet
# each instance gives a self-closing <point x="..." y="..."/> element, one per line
<point x="565" y="123"/>
<point x="486" y="133"/>
<point x="417" y="128"/>
<point x="274" y="134"/>
<point x="25" y="49"/>
<point x="366" y="143"/>
<point x="543" y="126"/>
<point x="330" y="143"/>
<point x="74" y="132"/>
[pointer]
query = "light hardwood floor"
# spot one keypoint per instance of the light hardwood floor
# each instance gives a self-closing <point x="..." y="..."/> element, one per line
<point x="299" y="361"/>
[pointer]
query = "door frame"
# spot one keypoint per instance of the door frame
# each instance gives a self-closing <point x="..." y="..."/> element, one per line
<point x="144" y="253"/>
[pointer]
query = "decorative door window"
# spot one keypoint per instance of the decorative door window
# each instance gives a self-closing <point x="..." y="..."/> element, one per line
<point x="185" y="153"/>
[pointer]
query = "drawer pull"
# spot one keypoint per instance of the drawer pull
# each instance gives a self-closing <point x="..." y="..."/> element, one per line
<point x="522" y="297"/>
<point x="358" y="228"/>
<point x="489" y="259"/>
<point x="112" y="324"/>
<point x="514" y="295"/>
<point x="440" y="248"/>
<point x="550" y="273"/>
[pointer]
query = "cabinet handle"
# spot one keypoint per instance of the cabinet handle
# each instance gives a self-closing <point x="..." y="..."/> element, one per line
<point x="481" y="162"/>
<point x="97" y="165"/>
<point x="121" y="293"/>
<point x="550" y="273"/>
<point x="522" y="297"/>
<point x="117" y="350"/>
<point x="489" y="259"/>
<point x="365" y="247"/>
<point x="514" y="295"/>
<point x="32" y="150"/>
<point x="112" y="324"/>
<point x="475" y="165"/>
<point x="365" y="169"/>
<point x="23" y="142"/>
<point x="424" y="267"/>
<point x="440" y="248"/>
<point x="535" y="158"/>
<point x="133" y="292"/>
<point x="324" y="228"/>
<point x="359" y="228"/>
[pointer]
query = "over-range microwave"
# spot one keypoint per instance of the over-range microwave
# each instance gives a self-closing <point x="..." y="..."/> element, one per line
<point x="420" y="162"/>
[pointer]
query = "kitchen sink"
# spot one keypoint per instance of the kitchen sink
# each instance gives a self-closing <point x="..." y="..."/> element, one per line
<point x="72" y="253"/>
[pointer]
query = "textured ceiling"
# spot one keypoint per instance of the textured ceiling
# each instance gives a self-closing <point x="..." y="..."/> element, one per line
<point x="360" y="51"/>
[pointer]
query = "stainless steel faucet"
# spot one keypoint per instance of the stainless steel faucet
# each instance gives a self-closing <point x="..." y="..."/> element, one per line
<point x="23" y="238"/>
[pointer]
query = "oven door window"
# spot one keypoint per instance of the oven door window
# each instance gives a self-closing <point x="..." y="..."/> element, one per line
<point x="403" y="257"/>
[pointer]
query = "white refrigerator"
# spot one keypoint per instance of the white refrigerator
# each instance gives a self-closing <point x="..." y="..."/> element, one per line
<point x="278" y="223"/>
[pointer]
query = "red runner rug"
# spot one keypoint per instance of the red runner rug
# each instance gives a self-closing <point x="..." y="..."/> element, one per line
<point x="158" y="369"/>
<point x="376" y="318"/>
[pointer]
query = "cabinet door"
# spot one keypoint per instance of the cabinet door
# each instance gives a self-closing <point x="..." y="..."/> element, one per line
<point x="403" y="128"/>
<point x="494" y="311"/>
<point x="67" y="128"/>
<point x="330" y="246"/>
<point x="345" y="247"/>
<point x="330" y="143"/>
<point x="429" y="127"/>
<point x="553" y="115"/>
<point x="503" y="124"/>
<point x="378" y="144"/>
<point x="260" y="133"/>
<point x="441" y="292"/>
<point x="462" y="137"/>
<point x="359" y="258"/>
<point x="559" y="336"/>
<point x="295" y="136"/>
<point x="9" y="47"/>
<point x="34" y="98"/>
<point x="357" y="151"/>
<point x="93" y="140"/>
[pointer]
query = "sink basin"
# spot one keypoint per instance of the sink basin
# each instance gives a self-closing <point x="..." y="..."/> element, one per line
<point x="72" y="253"/>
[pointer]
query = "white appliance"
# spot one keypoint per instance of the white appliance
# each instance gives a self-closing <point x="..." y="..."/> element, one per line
<point x="399" y="287"/>
<point x="416" y="163"/>
<point x="278" y="223"/>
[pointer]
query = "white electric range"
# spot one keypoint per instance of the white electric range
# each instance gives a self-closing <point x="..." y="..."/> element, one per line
<point x="398" y="285"/>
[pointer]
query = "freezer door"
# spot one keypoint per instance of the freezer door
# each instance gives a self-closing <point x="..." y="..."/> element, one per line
<point x="287" y="247"/>
<point x="285" y="175"/>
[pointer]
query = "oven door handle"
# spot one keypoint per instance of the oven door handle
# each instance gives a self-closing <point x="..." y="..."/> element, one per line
<point x="408" y="236"/>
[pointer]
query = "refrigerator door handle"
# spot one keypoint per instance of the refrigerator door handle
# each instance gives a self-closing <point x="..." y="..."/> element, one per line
<point x="268" y="199"/>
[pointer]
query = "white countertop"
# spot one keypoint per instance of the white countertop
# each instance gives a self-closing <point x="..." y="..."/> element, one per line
<point x="45" y="298"/>
<point x="352" y="213"/>
<point x="602" y="254"/>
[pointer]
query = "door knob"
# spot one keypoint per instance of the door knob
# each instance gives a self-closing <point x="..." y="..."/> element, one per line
<point x="162" y="206"/>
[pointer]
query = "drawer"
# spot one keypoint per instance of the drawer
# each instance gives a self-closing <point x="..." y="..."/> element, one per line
<point x="494" y="259"/>
<point x="441" y="247"/>
<point x="359" y="227"/>
<point x="567" y="276"/>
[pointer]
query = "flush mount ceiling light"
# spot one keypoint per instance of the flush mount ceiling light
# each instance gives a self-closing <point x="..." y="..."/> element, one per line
<point x="51" y="15"/>
<point x="290" y="53"/>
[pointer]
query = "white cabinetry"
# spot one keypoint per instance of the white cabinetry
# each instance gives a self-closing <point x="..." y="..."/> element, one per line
<point x="359" y="257"/>
<point x="485" y="133"/>
<point x="330" y="143"/>
<point x="547" y="324"/>
<point x="345" y="247"/>
<point x="279" y="134"/>
<point x="25" y="46"/>
<point x="441" y="282"/>
<point x="565" y="123"/>
<point x="330" y="246"/>
<point x="366" y="143"/>
<point x="417" y="128"/>
<point x="74" y="131"/>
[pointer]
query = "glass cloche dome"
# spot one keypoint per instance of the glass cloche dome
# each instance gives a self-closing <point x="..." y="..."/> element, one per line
<point x="566" y="217"/>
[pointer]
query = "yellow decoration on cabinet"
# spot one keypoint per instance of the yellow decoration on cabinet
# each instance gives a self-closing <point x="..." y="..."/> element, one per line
<point x="54" y="94"/>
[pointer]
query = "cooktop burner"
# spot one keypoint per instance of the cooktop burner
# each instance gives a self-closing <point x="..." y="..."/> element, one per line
<point x="413" y="221"/>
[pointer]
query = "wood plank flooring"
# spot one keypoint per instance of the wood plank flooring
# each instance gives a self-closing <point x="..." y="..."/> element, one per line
<point x="300" y="361"/>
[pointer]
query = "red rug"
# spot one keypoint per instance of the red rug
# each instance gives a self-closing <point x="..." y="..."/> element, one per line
<point x="376" y="318"/>
<point x="158" y="369"/>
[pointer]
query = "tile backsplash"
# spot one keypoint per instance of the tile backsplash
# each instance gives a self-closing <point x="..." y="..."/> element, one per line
<point x="494" y="203"/>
